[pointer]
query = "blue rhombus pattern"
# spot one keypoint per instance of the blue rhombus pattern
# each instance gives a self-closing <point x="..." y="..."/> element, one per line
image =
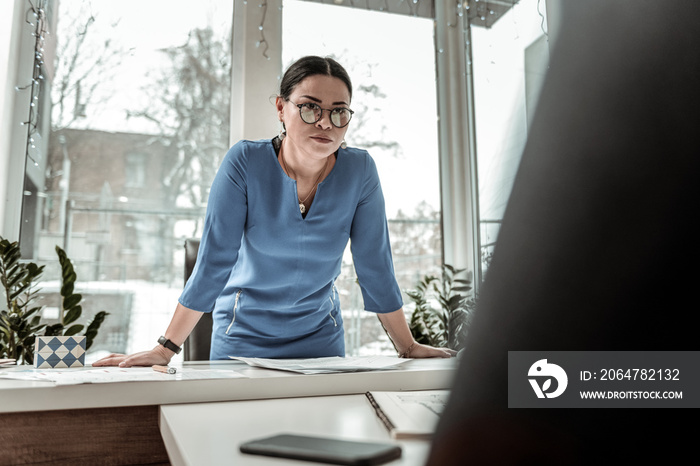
<point x="59" y="352"/>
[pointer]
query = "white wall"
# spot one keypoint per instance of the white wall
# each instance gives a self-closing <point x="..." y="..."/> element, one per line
<point x="18" y="45"/>
<point x="8" y="71"/>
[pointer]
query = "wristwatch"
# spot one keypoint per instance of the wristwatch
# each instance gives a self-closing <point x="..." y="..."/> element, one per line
<point x="170" y="345"/>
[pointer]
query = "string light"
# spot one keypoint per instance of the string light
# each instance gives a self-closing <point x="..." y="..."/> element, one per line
<point x="39" y="23"/>
<point x="546" y="36"/>
<point x="262" y="40"/>
<point x="413" y="6"/>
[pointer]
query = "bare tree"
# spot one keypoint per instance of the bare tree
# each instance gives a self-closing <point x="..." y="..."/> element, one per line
<point x="367" y="132"/>
<point x="83" y="65"/>
<point x="416" y="240"/>
<point x="192" y="115"/>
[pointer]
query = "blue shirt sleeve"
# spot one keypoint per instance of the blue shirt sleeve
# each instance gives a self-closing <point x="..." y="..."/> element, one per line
<point x="224" y="223"/>
<point x="371" y="249"/>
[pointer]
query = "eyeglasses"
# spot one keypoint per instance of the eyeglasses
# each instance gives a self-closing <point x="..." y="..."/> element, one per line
<point x="311" y="113"/>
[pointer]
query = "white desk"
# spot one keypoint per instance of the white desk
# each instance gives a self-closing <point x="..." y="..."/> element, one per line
<point x="210" y="433"/>
<point x="258" y="383"/>
<point x="110" y="417"/>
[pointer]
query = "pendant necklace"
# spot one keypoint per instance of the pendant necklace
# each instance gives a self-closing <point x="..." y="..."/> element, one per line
<point x="302" y="205"/>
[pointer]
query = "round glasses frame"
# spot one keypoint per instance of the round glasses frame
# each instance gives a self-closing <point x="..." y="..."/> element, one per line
<point x="335" y="113"/>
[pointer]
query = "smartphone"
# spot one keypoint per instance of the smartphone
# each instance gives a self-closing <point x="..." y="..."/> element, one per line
<point x="322" y="449"/>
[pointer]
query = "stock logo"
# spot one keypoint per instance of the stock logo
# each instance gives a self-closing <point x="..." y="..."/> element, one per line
<point x="541" y="374"/>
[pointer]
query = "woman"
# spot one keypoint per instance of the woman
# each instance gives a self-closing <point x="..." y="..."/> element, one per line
<point x="279" y="216"/>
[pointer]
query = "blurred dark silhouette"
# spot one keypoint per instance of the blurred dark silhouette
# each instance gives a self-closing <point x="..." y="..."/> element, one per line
<point x="599" y="244"/>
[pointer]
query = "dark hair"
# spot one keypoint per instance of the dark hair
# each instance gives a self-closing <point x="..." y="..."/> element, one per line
<point x="309" y="66"/>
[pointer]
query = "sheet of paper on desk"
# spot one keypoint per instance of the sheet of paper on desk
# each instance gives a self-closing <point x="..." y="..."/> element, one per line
<point x="115" y="374"/>
<point x="409" y="414"/>
<point x="326" y="365"/>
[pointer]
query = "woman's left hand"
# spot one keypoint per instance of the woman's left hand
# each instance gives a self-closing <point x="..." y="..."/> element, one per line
<point x="425" y="351"/>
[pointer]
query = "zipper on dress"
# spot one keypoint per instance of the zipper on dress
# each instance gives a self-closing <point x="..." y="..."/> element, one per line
<point x="235" y="306"/>
<point x="330" y="313"/>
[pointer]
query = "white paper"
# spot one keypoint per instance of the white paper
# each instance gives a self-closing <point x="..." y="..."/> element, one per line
<point x="414" y="414"/>
<point x="115" y="374"/>
<point x="326" y="365"/>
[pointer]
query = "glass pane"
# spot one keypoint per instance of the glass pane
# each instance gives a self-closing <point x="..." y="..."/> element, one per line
<point x="509" y="61"/>
<point x="140" y="97"/>
<point x="391" y="61"/>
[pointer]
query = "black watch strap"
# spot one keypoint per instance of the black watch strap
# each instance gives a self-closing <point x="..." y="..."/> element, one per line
<point x="170" y="345"/>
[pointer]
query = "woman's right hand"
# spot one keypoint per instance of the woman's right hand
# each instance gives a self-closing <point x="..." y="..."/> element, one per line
<point x="157" y="356"/>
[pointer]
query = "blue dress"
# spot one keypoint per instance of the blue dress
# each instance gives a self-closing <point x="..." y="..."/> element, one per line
<point x="268" y="274"/>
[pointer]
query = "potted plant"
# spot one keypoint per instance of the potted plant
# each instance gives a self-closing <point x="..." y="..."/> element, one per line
<point x="443" y="308"/>
<point x="20" y="321"/>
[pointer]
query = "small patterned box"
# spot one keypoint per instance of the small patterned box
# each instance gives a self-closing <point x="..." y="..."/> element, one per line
<point x="60" y="351"/>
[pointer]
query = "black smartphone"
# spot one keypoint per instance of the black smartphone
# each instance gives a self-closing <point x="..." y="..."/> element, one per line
<point x="323" y="449"/>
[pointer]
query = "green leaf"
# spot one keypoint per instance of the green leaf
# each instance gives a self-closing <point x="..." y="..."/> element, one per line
<point x="414" y="295"/>
<point x="34" y="270"/>
<point x="38" y="328"/>
<point x="14" y="321"/>
<point x="73" y="330"/>
<point x="461" y="288"/>
<point x="455" y="302"/>
<point x="31" y="311"/>
<point x="69" y="276"/>
<point x="53" y="330"/>
<point x="72" y="315"/>
<point x="67" y="289"/>
<point x="14" y="280"/>
<point x="19" y="291"/>
<point x="91" y="331"/>
<point x="71" y="301"/>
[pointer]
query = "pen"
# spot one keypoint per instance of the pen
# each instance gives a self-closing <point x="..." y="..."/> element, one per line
<point x="164" y="369"/>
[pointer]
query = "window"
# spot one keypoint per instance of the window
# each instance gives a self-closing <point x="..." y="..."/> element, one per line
<point x="391" y="60"/>
<point x="135" y="135"/>
<point x="135" y="170"/>
<point x="509" y="62"/>
<point x="132" y="136"/>
<point x="139" y="95"/>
